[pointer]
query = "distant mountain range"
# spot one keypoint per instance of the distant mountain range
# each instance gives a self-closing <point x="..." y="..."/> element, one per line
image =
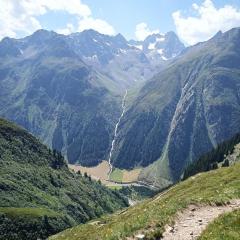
<point x="126" y="62"/>
<point x="159" y="47"/>
<point x="68" y="91"/>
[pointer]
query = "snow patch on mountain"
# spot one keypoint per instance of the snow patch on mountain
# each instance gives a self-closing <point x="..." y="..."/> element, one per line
<point x="139" y="47"/>
<point x="151" y="46"/>
<point x="161" y="39"/>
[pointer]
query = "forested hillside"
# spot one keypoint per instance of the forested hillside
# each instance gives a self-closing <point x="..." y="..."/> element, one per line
<point x="39" y="195"/>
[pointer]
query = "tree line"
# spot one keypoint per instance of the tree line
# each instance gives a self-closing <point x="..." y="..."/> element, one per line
<point x="211" y="160"/>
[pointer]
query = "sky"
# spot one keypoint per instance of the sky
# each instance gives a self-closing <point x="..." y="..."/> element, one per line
<point x="193" y="21"/>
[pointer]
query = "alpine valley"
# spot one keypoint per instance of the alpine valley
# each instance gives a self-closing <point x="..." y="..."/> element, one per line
<point x="152" y="105"/>
<point x="113" y="130"/>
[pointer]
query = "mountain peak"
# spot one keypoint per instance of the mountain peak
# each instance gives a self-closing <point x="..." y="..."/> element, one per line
<point x="43" y="32"/>
<point x="90" y="32"/>
<point x="171" y="34"/>
<point x="41" y="35"/>
<point x="119" y="36"/>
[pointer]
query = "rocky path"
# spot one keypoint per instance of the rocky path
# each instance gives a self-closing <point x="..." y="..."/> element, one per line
<point x="190" y="223"/>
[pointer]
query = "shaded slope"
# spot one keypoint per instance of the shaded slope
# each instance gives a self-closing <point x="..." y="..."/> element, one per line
<point x="33" y="178"/>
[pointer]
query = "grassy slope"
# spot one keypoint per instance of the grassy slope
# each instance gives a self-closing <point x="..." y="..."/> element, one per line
<point x="34" y="184"/>
<point x="125" y="176"/>
<point x="207" y="188"/>
<point x="117" y="175"/>
<point x="226" y="226"/>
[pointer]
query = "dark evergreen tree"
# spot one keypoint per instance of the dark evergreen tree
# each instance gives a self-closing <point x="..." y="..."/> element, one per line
<point x="209" y="160"/>
<point x="226" y="163"/>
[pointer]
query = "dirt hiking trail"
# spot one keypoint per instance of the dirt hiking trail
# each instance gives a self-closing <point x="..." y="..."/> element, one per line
<point x="190" y="223"/>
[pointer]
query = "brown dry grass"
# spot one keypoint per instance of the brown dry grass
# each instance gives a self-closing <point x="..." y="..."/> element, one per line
<point x="101" y="172"/>
<point x="131" y="176"/>
<point x="98" y="172"/>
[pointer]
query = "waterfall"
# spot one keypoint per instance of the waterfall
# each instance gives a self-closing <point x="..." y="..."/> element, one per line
<point x="115" y="133"/>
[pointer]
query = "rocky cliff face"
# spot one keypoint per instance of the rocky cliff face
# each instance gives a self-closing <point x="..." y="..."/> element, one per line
<point x="183" y="111"/>
<point x="160" y="47"/>
<point x="126" y="62"/>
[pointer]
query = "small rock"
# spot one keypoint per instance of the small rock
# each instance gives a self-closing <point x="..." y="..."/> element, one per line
<point x="140" y="236"/>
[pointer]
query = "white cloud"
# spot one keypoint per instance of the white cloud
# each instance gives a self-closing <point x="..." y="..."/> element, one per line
<point x="209" y="21"/>
<point x="142" y="31"/>
<point x="96" y="24"/>
<point x="20" y="16"/>
<point x="14" y="18"/>
<point x="71" y="6"/>
<point x="67" y="30"/>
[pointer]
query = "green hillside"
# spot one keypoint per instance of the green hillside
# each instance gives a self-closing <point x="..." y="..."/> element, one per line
<point x="38" y="194"/>
<point x="150" y="217"/>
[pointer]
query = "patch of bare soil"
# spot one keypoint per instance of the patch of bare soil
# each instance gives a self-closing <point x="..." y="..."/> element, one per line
<point x="98" y="172"/>
<point x="131" y="176"/>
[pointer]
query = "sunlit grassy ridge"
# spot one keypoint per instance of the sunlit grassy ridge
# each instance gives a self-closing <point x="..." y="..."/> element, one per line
<point x="217" y="186"/>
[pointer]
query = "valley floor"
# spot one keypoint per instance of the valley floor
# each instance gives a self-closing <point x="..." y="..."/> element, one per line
<point x="118" y="177"/>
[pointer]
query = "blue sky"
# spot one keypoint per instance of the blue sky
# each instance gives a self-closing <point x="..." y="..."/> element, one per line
<point x="193" y="21"/>
<point x="124" y="15"/>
